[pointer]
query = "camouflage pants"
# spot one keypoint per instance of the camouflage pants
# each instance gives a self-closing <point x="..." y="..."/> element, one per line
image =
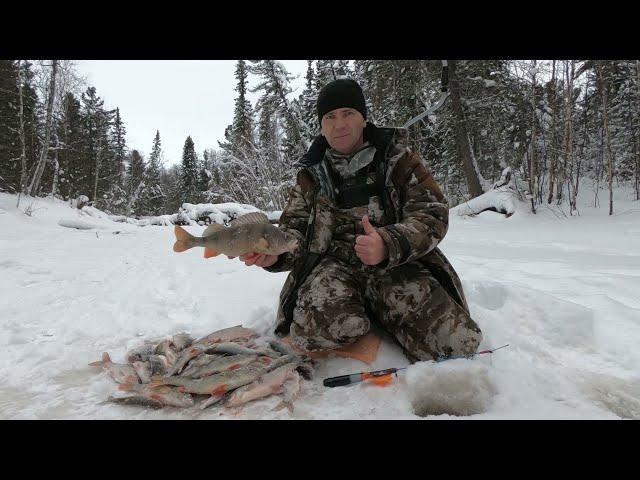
<point x="336" y="302"/>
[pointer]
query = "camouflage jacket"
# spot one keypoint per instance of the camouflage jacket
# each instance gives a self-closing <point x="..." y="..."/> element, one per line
<point x="415" y="217"/>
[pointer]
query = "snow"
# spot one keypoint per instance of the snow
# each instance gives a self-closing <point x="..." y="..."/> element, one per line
<point x="218" y="213"/>
<point x="502" y="198"/>
<point x="77" y="223"/>
<point x="190" y="214"/>
<point x="561" y="290"/>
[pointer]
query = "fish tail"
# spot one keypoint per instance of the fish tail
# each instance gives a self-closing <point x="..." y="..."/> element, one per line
<point x="184" y="240"/>
<point x="105" y="360"/>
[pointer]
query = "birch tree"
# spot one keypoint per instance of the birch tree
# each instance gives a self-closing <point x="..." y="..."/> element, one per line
<point x="35" y="182"/>
<point x="605" y="126"/>
<point x="23" y="153"/>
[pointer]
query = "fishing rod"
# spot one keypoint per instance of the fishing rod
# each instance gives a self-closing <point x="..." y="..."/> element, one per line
<point x="384" y="377"/>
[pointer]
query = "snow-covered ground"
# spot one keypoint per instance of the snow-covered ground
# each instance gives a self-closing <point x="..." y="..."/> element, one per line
<point x="564" y="293"/>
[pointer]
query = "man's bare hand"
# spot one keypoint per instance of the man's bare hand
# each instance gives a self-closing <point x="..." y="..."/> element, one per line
<point x="370" y="247"/>
<point x="259" y="259"/>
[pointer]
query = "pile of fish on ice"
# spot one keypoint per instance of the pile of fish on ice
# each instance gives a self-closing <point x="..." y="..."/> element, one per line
<point x="228" y="367"/>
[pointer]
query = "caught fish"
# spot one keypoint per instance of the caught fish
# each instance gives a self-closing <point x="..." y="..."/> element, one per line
<point x="167" y="349"/>
<point x="143" y="369"/>
<point x="218" y="385"/>
<point x="215" y="384"/>
<point x="232" y="348"/>
<point x="120" y="372"/>
<point x="228" y="348"/>
<point x="199" y="362"/>
<point x="140" y="354"/>
<point x="230" y="334"/>
<point x="203" y="345"/>
<point x="181" y="341"/>
<point x="291" y="390"/>
<point x="306" y="364"/>
<point x="218" y="365"/>
<point x="251" y="232"/>
<point x="135" y="400"/>
<point x="185" y="356"/>
<point x="282" y="347"/>
<point x="159" y="364"/>
<point x="268" y="384"/>
<point x="165" y="395"/>
<point x="231" y="366"/>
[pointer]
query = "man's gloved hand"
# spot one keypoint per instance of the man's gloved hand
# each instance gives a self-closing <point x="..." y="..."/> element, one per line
<point x="370" y="247"/>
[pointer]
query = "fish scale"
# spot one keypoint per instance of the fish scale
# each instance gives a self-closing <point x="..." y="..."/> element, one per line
<point x="218" y="365"/>
<point x="197" y="363"/>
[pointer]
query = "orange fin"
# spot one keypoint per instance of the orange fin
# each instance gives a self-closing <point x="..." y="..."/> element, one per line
<point x="125" y="387"/>
<point x="181" y="234"/>
<point x="105" y="359"/>
<point x="208" y="253"/>
<point x="183" y="239"/>
<point x="180" y="247"/>
<point x="219" y="391"/>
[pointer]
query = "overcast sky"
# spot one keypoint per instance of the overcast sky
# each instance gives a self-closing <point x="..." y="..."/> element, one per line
<point x="177" y="97"/>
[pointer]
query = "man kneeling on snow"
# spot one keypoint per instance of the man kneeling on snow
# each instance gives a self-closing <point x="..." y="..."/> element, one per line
<point x="369" y="217"/>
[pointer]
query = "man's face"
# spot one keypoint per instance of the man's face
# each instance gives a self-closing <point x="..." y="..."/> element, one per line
<point x="343" y="128"/>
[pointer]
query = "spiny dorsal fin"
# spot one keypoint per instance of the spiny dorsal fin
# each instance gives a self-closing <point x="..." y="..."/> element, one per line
<point x="211" y="229"/>
<point x="253" y="217"/>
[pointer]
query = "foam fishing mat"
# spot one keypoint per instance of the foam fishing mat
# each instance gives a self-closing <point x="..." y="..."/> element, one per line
<point x="364" y="349"/>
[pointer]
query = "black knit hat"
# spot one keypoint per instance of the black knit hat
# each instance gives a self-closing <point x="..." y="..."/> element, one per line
<point x="341" y="93"/>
